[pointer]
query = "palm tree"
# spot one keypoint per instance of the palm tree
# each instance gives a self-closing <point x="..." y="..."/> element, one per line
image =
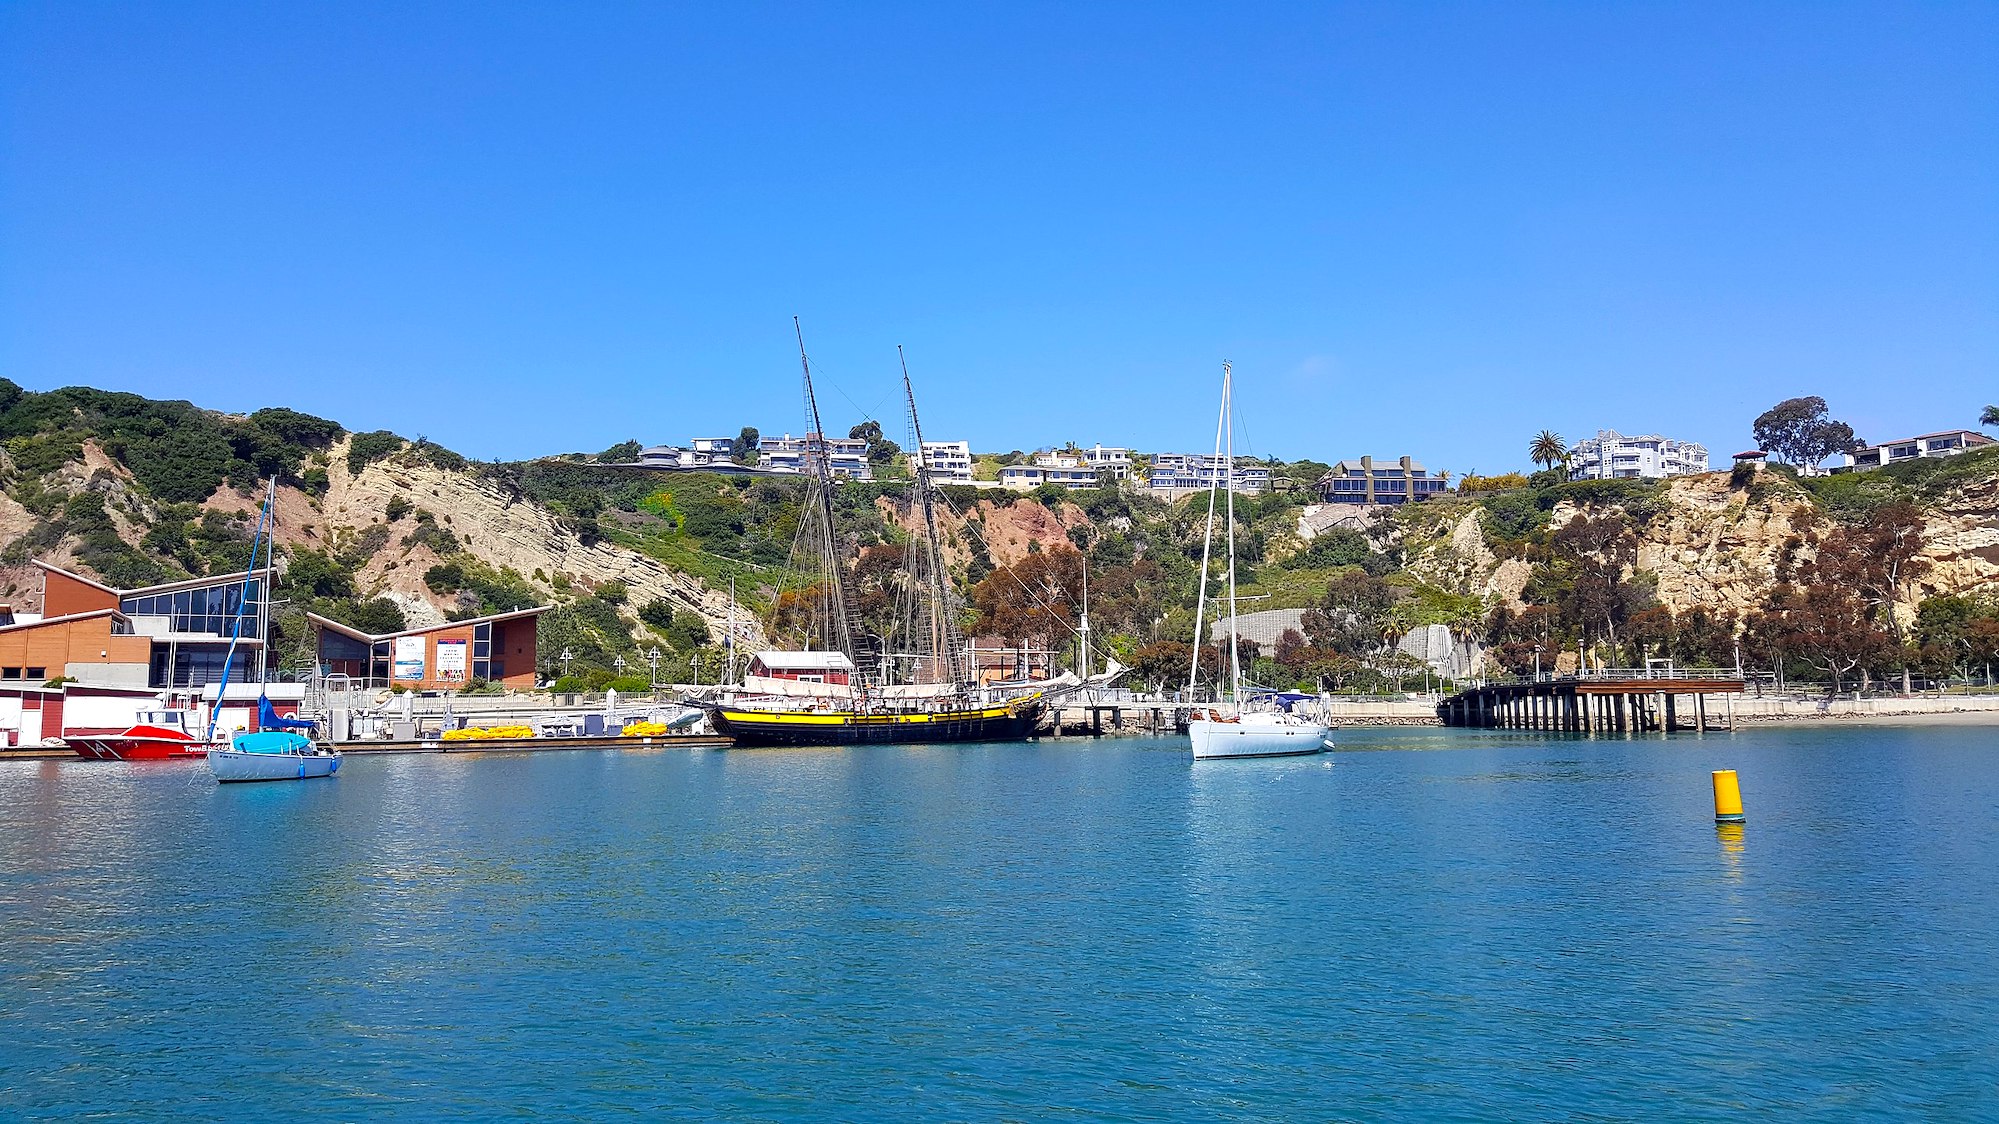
<point x="1547" y="449"/>
<point x="1990" y="418"/>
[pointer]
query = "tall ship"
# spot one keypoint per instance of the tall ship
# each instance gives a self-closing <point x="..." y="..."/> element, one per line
<point x="910" y="682"/>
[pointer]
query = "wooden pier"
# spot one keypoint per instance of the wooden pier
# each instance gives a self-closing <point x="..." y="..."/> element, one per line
<point x="1610" y="701"/>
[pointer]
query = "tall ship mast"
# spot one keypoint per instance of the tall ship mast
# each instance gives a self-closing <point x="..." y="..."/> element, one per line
<point x="868" y="707"/>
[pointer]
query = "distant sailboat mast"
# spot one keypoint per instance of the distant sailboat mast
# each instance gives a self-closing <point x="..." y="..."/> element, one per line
<point x="1207" y="541"/>
<point x="1228" y="426"/>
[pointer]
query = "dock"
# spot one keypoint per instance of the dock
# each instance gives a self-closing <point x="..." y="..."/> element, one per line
<point x="1602" y="701"/>
<point x="499" y="745"/>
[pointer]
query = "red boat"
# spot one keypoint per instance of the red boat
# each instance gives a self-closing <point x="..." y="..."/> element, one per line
<point x="158" y="735"/>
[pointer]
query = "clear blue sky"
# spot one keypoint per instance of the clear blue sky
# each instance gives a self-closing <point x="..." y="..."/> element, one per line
<point x="1433" y="229"/>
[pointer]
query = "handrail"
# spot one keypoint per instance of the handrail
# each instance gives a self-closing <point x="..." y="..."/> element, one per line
<point x="1617" y="675"/>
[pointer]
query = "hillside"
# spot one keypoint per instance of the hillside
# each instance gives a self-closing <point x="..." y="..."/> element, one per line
<point x="381" y="531"/>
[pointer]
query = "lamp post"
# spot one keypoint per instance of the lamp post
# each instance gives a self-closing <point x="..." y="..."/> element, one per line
<point x="618" y="664"/>
<point x="652" y="658"/>
<point x="565" y="657"/>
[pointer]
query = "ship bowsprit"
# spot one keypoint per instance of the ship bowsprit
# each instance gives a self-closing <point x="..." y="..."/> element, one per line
<point x="998" y="723"/>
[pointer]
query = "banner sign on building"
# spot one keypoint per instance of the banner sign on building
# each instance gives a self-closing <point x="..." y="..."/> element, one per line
<point x="409" y="657"/>
<point x="451" y="659"/>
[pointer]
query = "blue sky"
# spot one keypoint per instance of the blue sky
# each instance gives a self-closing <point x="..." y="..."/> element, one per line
<point x="1432" y="229"/>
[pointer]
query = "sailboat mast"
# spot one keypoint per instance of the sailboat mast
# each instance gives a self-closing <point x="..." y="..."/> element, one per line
<point x="838" y="611"/>
<point x="1235" y="653"/>
<point x="944" y="637"/>
<point x="242" y="599"/>
<point x="1207" y="540"/>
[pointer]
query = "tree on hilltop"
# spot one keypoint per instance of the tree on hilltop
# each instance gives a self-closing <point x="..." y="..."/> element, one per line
<point x="1547" y="449"/>
<point x="1990" y="418"/>
<point x="1801" y="432"/>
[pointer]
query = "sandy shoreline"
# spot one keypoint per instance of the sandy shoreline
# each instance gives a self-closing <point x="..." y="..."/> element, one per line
<point x="1912" y="718"/>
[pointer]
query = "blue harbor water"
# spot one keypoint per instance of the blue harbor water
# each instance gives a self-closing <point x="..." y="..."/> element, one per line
<point x="1426" y="925"/>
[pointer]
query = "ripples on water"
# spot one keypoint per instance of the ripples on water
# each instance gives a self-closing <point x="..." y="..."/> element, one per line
<point x="1496" y="927"/>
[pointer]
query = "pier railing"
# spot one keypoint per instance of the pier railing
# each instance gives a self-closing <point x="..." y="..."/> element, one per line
<point x="1621" y="674"/>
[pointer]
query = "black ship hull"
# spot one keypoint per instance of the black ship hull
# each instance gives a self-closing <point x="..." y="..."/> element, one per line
<point x="1014" y="722"/>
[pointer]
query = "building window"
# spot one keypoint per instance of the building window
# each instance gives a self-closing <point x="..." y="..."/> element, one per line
<point x="38" y="673"/>
<point x="10" y="673"/>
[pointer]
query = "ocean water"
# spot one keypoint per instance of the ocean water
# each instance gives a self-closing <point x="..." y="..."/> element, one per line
<point x="1426" y="925"/>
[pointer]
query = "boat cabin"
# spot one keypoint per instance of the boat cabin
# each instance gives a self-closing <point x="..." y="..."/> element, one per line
<point x="804" y="667"/>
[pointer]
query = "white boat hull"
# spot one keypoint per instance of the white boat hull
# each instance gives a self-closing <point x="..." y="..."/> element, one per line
<point x="231" y="765"/>
<point x="1212" y="739"/>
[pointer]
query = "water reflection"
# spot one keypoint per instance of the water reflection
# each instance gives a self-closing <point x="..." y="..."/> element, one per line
<point x="1731" y="837"/>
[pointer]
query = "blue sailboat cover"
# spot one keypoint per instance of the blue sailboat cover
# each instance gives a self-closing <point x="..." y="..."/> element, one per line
<point x="267" y="718"/>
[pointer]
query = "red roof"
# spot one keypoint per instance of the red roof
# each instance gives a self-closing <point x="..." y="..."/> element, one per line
<point x="1751" y="455"/>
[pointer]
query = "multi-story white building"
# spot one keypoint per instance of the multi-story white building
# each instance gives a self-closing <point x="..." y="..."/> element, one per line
<point x="1946" y="444"/>
<point x="950" y="462"/>
<point x="1611" y="455"/>
<point x="715" y="446"/>
<point x="845" y="457"/>
<point x="1065" y="469"/>
<point x="1115" y="459"/>
<point x="1176" y="474"/>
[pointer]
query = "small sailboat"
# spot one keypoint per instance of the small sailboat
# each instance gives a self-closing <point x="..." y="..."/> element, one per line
<point x="277" y="751"/>
<point x="1239" y="727"/>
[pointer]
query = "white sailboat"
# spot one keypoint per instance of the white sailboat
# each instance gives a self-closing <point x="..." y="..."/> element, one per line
<point x="1235" y="727"/>
<point x="277" y="752"/>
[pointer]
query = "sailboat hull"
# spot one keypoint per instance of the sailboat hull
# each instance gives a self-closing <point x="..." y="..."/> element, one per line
<point x="233" y="766"/>
<point x="792" y="727"/>
<point x="1214" y="739"/>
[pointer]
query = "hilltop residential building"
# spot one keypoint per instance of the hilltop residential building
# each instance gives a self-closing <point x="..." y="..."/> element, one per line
<point x="715" y="446"/>
<point x="673" y="456"/>
<point x="845" y="457"/>
<point x="950" y="462"/>
<point x="1946" y="444"/>
<point x="1065" y="469"/>
<point x="1175" y="474"/>
<point x="1611" y="455"/>
<point x="1118" y="460"/>
<point x="1389" y="483"/>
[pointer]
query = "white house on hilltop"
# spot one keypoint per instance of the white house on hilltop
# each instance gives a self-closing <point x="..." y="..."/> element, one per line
<point x="1611" y="455"/>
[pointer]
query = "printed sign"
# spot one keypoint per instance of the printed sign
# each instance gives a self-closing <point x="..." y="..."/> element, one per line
<point x="451" y="659"/>
<point x="409" y="657"/>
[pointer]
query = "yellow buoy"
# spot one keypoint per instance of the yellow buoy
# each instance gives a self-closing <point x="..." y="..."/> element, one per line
<point x="1727" y="797"/>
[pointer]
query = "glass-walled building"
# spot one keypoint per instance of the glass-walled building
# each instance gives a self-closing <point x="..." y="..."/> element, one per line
<point x="180" y="631"/>
<point x="494" y="649"/>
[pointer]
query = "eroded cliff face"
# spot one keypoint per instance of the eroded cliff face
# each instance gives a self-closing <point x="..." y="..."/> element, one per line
<point x="1007" y="529"/>
<point x="1712" y="547"/>
<point x="498" y="529"/>
<point x="501" y="531"/>
<point x="1961" y="540"/>
<point x="1717" y="547"/>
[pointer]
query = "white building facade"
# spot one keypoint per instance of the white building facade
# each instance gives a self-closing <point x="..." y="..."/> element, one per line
<point x="1947" y="444"/>
<point x="845" y="457"/>
<point x="1176" y="474"/>
<point x="1065" y="469"/>
<point x="949" y="462"/>
<point x="1611" y="455"/>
